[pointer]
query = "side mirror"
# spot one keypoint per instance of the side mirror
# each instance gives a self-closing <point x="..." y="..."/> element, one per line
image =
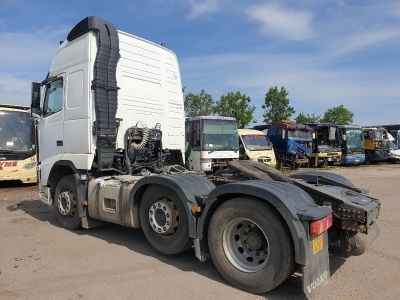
<point x="35" y="100"/>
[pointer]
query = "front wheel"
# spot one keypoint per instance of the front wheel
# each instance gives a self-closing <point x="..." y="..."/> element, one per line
<point x="66" y="203"/>
<point x="164" y="220"/>
<point x="250" y="245"/>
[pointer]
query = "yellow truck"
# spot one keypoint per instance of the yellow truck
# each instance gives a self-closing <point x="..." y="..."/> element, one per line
<point x="376" y="144"/>
<point x="255" y="145"/>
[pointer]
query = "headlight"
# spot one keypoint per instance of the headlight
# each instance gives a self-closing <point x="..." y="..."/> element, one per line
<point x="29" y="166"/>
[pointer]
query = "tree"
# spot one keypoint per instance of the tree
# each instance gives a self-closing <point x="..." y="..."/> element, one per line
<point x="338" y="115"/>
<point x="198" y="105"/>
<point x="238" y="106"/>
<point x="277" y="105"/>
<point x="304" y="119"/>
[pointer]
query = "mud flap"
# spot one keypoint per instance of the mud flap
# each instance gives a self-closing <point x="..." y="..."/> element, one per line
<point x="316" y="273"/>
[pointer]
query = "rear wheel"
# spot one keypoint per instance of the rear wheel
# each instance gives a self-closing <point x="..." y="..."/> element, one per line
<point x="66" y="203"/>
<point x="251" y="245"/>
<point x="164" y="220"/>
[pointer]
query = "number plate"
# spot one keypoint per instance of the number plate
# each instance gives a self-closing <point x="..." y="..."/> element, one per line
<point x="317" y="243"/>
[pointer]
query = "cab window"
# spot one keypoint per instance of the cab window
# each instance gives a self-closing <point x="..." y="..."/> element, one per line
<point x="54" y="97"/>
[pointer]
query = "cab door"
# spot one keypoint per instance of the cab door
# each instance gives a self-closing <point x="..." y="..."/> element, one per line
<point x="51" y="127"/>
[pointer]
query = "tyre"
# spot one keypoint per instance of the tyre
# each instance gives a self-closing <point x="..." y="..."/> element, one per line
<point x="250" y="245"/>
<point x="164" y="220"/>
<point x="66" y="203"/>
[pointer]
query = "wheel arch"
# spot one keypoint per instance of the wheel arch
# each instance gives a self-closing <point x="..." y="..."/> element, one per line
<point x="294" y="205"/>
<point x="191" y="190"/>
<point x="312" y="176"/>
<point x="60" y="169"/>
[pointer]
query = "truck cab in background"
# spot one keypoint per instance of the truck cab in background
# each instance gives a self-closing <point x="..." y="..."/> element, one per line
<point x="255" y="145"/>
<point x="326" y="144"/>
<point x="292" y="143"/>
<point x="376" y="144"/>
<point x="211" y="142"/>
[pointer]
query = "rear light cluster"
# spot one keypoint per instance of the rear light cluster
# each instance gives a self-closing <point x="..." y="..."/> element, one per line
<point x="322" y="225"/>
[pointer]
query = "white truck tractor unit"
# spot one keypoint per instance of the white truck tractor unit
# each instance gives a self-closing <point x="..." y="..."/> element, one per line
<point x="111" y="143"/>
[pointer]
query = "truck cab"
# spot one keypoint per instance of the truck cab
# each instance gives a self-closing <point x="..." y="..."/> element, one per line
<point x="255" y="145"/>
<point x="326" y="144"/>
<point x="292" y="143"/>
<point x="376" y="143"/>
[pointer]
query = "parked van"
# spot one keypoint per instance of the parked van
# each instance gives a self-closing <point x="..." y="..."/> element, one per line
<point x="255" y="145"/>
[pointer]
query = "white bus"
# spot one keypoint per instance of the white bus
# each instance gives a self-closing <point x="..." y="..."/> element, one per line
<point x="211" y="141"/>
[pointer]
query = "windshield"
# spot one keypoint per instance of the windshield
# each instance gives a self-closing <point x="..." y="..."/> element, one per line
<point x="381" y="134"/>
<point x="354" y="138"/>
<point x="16" y="132"/>
<point x="299" y="135"/>
<point x="256" y="142"/>
<point x="220" y="135"/>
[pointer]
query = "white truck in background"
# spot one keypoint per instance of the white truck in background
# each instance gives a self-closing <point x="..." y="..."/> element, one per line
<point x="111" y="149"/>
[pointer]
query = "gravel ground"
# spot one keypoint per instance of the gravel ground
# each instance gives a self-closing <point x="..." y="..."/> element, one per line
<point x="41" y="260"/>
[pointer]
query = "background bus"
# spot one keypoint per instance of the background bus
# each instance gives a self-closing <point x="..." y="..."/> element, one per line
<point x="352" y="145"/>
<point x="17" y="144"/>
<point x="211" y="141"/>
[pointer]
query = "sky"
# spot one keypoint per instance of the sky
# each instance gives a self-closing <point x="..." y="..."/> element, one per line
<point x="325" y="53"/>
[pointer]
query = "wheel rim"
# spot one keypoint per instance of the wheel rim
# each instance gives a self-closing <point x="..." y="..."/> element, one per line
<point x="164" y="217"/>
<point x="66" y="203"/>
<point x="245" y="245"/>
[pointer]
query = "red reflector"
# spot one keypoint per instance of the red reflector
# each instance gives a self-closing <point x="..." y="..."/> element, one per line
<point x="319" y="226"/>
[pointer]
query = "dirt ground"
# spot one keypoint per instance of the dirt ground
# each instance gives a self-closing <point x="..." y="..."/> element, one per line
<point x="41" y="260"/>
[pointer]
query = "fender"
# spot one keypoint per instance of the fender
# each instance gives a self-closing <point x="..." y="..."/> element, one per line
<point x="313" y="176"/>
<point x="53" y="175"/>
<point x="328" y="178"/>
<point x="189" y="188"/>
<point x="295" y="206"/>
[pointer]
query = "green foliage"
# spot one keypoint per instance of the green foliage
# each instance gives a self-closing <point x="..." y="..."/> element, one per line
<point x="277" y="105"/>
<point x="238" y="106"/>
<point x="338" y="115"/>
<point x="198" y="105"/>
<point x="304" y="119"/>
